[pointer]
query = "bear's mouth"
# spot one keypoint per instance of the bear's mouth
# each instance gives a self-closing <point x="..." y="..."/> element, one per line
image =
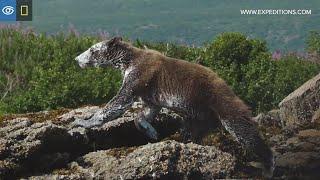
<point x="84" y="65"/>
<point x="102" y="64"/>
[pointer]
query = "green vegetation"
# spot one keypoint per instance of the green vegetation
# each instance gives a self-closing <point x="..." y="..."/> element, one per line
<point x="182" y="21"/>
<point x="313" y="42"/>
<point x="38" y="72"/>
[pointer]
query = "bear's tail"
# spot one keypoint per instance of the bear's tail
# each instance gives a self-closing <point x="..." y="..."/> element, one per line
<point x="235" y="117"/>
<point x="248" y="136"/>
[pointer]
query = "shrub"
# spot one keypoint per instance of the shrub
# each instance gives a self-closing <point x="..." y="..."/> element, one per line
<point x="234" y="48"/>
<point x="313" y="42"/>
<point x="173" y="50"/>
<point x="49" y="77"/>
<point x="267" y="82"/>
<point x="38" y="72"/>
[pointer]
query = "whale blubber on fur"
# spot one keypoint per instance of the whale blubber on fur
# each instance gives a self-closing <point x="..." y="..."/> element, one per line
<point x="191" y="90"/>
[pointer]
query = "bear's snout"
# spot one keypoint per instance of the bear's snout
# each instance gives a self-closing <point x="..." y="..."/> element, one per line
<point x="83" y="59"/>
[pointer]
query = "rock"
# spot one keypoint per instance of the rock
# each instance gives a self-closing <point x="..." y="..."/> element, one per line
<point x="316" y="117"/>
<point x="300" y="106"/>
<point x="311" y="136"/>
<point x="81" y="113"/>
<point x="271" y="118"/>
<point x="28" y="146"/>
<point x="45" y="146"/>
<point x="163" y="160"/>
<point x="299" y="164"/>
<point x="298" y="155"/>
<point x="309" y="133"/>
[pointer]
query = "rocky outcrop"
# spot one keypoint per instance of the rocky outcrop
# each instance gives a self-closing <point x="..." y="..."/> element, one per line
<point x="163" y="160"/>
<point x="45" y="145"/>
<point x="26" y="146"/>
<point x="271" y="118"/>
<point x="300" y="106"/>
<point x="29" y="146"/>
<point x="297" y="155"/>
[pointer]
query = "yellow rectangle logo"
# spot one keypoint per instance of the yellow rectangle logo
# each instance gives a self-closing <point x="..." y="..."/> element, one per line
<point x="24" y="11"/>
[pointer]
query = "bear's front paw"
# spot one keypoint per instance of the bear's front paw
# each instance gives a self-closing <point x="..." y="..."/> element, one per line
<point x="87" y="123"/>
<point x="78" y="123"/>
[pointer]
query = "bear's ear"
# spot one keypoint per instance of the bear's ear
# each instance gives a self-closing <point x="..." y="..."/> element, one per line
<point x="115" y="40"/>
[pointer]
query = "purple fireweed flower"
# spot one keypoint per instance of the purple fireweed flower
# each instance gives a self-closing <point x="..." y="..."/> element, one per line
<point x="276" y="55"/>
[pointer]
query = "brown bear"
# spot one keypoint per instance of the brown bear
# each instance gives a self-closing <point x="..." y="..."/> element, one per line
<point x="187" y="88"/>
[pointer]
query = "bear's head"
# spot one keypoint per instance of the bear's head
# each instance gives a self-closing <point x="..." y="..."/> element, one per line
<point x="114" y="53"/>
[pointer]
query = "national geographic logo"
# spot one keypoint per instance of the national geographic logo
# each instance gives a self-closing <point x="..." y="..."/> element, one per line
<point x="15" y="10"/>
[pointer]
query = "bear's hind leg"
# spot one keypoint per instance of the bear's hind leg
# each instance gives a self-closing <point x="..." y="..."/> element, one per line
<point x="204" y="121"/>
<point x="142" y="121"/>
